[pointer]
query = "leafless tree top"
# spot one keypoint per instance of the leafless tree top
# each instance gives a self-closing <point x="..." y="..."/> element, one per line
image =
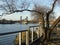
<point x="12" y="6"/>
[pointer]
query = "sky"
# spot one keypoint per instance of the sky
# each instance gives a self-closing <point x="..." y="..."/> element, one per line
<point x="16" y="16"/>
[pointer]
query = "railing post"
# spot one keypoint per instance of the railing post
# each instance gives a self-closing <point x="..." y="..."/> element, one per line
<point x="27" y="38"/>
<point x="37" y="31"/>
<point x="32" y="34"/>
<point x="41" y="31"/>
<point x="20" y="36"/>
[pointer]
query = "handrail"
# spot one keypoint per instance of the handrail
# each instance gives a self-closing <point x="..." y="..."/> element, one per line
<point x="34" y="26"/>
<point x="37" y="32"/>
<point x="17" y="31"/>
<point x="1" y="34"/>
<point x="20" y="36"/>
<point x="27" y="34"/>
<point x="55" y="23"/>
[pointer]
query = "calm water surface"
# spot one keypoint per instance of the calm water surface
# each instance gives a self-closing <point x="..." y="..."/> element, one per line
<point x="9" y="39"/>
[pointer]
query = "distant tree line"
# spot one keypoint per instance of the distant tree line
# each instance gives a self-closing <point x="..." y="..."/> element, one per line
<point x="4" y="21"/>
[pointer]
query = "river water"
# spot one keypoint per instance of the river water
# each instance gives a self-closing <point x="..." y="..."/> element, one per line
<point x="9" y="39"/>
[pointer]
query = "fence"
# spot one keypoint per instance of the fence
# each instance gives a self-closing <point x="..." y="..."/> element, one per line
<point x="32" y="29"/>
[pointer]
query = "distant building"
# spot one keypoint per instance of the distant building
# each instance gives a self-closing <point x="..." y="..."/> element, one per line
<point x="27" y="18"/>
<point x="20" y="18"/>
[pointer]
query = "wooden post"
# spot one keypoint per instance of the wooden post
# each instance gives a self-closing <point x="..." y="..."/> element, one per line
<point x="27" y="38"/>
<point x="20" y="36"/>
<point x="29" y="31"/>
<point x="41" y="30"/>
<point x="32" y="34"/>
<point x="37" y="31"/>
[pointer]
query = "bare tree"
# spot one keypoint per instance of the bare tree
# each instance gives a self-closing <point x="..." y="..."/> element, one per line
<point x="47" y="15"/>
<point x="10" y="7"/>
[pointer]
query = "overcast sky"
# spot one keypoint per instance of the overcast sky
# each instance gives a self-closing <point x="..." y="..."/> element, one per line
<point x="16" y="16"/>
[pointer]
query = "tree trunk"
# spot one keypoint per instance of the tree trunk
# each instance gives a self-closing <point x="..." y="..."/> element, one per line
<point x="47" y="29"/>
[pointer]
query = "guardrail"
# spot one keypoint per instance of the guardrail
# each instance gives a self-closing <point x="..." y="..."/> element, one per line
<point x="27" y="34"/>
<point x="20" y="35"/>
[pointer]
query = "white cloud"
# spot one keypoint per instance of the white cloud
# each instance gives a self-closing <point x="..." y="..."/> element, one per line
<point x="16" y="16"/>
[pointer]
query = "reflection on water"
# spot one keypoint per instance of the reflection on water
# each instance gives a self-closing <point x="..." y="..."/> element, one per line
<point x="9" y="39"/>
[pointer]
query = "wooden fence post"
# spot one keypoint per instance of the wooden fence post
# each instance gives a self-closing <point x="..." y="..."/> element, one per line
<point x="27" y="38"/>
<point x="37" y="31"/>
<point x="32" y="34"/>
<point x="20" y="37"/>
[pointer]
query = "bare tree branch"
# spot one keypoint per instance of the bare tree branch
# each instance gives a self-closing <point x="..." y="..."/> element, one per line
<point x="3" y="8"/>
<point x="53" y="5"/>
<point x="47" y="21"/>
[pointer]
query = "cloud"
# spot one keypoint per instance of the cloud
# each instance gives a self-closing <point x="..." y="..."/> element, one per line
<point x="16" y="16"/>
